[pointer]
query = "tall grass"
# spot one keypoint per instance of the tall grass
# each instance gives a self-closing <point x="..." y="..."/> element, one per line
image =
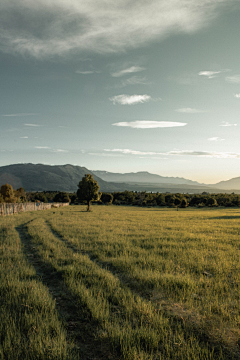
<point x="155" y="283"/>
<point x="30" y="327"/>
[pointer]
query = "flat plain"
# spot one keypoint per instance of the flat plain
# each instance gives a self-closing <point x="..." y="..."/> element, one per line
<point x="120" y="282"/>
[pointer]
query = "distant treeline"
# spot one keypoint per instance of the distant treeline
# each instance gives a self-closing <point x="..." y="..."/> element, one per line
<point x="51" y="196"/>
<point x="176" y="199"/>
<point x="144" y="198"/>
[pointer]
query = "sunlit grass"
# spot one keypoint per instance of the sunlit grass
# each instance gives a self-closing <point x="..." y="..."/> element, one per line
<point x="157" y="283"/>
<point x="30" y="327"/>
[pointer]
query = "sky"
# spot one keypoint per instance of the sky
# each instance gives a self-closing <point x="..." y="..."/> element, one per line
<point x="122" y="86"/>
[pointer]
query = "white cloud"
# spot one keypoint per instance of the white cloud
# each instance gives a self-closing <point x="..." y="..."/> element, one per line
<point x="129" y="99"/>
<point x="235" y="79"/>
<point x="215" y="139"/>
<point x="209" y="74"/>
<point x="131" y="152"/>
<point x="208" y="154"/>
<point x="23" y="137"/>
<point x="42" y="147"/>
<point x="31" y="125"/>
<point x="13" y="115"/>
<point x="145" y="124"/>
<point x="225" y="123"/>
<point x="131" y="69"/>
<point x="212" y="74"/>
<point x="84" y="72"/>
<point x="59" y="150"/>
<point x="189" y="111"/>
<point x="45" y="28"/>
<point x="237" y="96"/>
<point x="104" y="154"/>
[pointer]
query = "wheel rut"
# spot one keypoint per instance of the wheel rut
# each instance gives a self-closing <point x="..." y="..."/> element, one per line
<point x="80" y="330"/>
<point x="173" y="310"/>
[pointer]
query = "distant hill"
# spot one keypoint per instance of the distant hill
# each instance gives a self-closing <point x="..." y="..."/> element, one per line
<point x="39" y="177"/>
<point x="232" y="184"/>
<point x="142" y="177"/>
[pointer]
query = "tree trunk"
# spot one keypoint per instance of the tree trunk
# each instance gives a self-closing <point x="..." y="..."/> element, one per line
<point x="89" y="205"/>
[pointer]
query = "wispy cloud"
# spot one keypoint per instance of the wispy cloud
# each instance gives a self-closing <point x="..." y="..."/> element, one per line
<point x="23" y="137"/>
<point x="42" y="147"/>
<point x="23" y="114"/>
<point x="189" y="111"/>
<point x="208" y="154"/>
<point x="215" y="139"/>
<point x="225" y="123"/>
<point x="32" y="125"/>
<point x="237" y="96"/>
<point x="235" y="79"/>
<point x="129" y="70"/>
<point x="87" y="72"/>
<point x="103" y="26"/>
<point x="84" y="72"/>
<point x="212" y="74"/>
<point x="131" y="152"/>
<point x="104" y="154"/>
<point x="133" y="80"/>
<point x="209" y="74"/>
<point x="145" y="124"/>
<point x="129" y="99"/>
<point x="59" y="151"/>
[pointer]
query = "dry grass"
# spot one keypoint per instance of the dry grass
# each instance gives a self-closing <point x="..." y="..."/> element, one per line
<point x="152" y="283"/>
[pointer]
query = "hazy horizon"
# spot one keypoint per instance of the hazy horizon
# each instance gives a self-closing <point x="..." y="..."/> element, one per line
<point x="122" y="87"/>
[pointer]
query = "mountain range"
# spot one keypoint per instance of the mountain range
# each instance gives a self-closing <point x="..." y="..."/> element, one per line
<point x="39" y="177"/>
<point x="142" y="177"/>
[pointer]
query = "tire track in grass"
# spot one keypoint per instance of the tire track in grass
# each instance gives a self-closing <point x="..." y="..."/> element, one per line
<point x="80" y="331"/>
<point x="180" y="316"/>
<point x="29" y="323"/>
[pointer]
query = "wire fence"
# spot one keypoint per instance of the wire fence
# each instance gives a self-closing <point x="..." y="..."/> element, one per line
<point x="15" y="208"/>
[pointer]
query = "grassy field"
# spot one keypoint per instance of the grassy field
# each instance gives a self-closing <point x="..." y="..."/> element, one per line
<point x="120" y="283"/>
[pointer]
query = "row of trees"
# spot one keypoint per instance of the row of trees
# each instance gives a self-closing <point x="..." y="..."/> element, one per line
<point x="88" y="191"/>
<point x="8" y="195"/>
<point x="176" y="200"/>
<point x="52" y="196"/>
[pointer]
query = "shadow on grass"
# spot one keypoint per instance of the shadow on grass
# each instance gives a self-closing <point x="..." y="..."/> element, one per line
<point x="80" y="329"/>
<point x="225" y="217"/>
<point x="137" y="289"/>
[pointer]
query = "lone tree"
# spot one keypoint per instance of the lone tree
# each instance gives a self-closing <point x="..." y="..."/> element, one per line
<point x="88" y="190"/>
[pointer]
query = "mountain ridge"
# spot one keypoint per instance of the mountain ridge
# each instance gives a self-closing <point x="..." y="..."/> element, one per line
<point x="142" y="177"/>
<point x="41" y="177"/>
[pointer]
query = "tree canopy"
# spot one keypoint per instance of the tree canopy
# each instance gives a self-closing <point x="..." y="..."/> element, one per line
<point x="9" y="195"/>
<point x="88" y="190"/>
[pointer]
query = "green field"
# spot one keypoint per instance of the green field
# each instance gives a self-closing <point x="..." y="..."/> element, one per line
<point x="120" y="283"/>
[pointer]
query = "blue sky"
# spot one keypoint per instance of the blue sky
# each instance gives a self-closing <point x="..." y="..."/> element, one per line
<point x="122" y="86"/>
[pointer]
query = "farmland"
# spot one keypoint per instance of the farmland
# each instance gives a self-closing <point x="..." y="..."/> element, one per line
<point x="120" y="283"/>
